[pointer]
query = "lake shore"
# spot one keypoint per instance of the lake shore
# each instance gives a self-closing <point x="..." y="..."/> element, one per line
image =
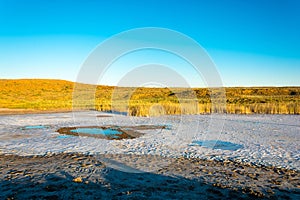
<point x="257" y="156"/>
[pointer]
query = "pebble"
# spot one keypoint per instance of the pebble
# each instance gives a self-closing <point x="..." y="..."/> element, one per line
<point x="77" y="180"/>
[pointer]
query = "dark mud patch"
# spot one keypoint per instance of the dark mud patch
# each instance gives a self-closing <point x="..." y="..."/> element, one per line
<point x="103" y="116"/>
<point x="147" y="127"/>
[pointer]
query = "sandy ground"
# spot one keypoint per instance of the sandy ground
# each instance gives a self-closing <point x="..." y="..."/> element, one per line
<point x="77" y="176"/>
<point x="161" y="164"/>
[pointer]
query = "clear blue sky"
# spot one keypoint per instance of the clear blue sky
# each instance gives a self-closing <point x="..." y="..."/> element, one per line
<point x="252" y="42"/>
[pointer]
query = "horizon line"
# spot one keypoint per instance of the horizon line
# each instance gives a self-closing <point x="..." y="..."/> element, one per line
<point x="224" y="86"/>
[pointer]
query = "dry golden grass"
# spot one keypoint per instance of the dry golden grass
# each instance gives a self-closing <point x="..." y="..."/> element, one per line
<point x="40" y="94"/>
<point x="36" y="94"/>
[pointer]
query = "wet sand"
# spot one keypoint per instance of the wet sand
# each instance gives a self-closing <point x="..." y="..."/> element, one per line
<point x="78" y="176"/>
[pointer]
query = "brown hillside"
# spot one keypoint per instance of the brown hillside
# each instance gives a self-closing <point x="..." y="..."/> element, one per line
<point x="49" y="95"/>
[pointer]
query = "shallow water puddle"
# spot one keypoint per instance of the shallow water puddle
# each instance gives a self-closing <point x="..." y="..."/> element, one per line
<point x="64" y="136"/>
<point x="218" y="144"/>
<point x="102" y="131"/>
<point x="109" y="132"/>
<point x="34" y="127"/>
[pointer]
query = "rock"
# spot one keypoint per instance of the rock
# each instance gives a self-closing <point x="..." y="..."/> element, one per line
<point x="77" y="180"/>
<point x="253" y="176"/>
<point x="270" y="191"/>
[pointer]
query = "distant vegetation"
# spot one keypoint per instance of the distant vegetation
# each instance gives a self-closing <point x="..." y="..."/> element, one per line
<point x="49" y="95"/>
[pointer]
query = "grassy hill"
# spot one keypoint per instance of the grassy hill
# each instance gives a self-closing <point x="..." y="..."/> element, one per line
<point x="49" y="95"/>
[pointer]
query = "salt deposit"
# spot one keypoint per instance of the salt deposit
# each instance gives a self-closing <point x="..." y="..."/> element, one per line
<point x="261" y="139"/>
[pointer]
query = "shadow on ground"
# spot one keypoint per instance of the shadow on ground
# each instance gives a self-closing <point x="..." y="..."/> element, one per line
<point x="57" y="177"/>
<point x="114" y="185"/>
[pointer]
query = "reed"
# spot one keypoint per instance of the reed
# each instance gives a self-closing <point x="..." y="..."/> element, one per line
<point x="39" y="94"/>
